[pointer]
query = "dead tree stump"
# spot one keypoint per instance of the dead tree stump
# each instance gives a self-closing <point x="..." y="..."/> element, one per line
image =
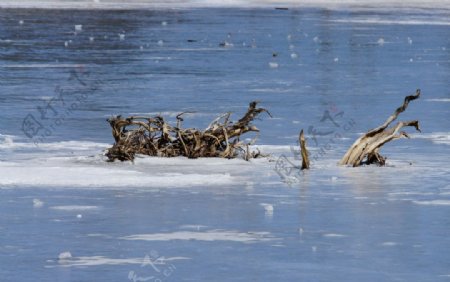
<point x="366" y="148"/>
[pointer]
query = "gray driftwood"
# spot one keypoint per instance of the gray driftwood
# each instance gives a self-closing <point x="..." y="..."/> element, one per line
<point x="366" y="148"/>
<point x="153" y="136"/>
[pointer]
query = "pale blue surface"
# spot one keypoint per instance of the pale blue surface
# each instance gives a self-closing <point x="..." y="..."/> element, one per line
<point x="337" y="224"/>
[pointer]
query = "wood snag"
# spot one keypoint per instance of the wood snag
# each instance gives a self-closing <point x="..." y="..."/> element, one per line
<point x="366" y="148"/>
<point x="153" y="136"/>
<point x="304" y="151"/>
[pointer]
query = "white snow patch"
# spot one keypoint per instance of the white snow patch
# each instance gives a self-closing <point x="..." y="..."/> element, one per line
<point x="272" y="148"/>
<point x="334" y="235"/>
<point x="409" y="193"/>
<point x="438" y="100"/>
<point x="211" y="235"/>
<point x="64" y="255"/>
<point x="104" y="176"/>
<point x="61" y="164"/>
<point x="389" y="244"/>
<point x="435" y="137"/>
<point x="268" y="208"/>
<point x="38" y="203"/>
<point x="372" y="21"/>
<point x="193" y="226"/>
<point x="433" y="203"/>
<point x="101" y="260"/>
<point x="6" y="141"/>
<point x="273" y="65"/>
<point x="54" y="146"/>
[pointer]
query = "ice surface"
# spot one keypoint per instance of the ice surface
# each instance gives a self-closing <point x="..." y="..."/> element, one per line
<point x="376" y="21"/>
<point x="389" y="244"/>
<point x="273" y="65"/>
<point x="433" y="202"/>
<point x="64" y="255"/>
<point x="60" y="164"/>
<point x="234" y="220"/>
<point x="439" y="100"/>
<point x="75" y="208"/>
<point x="38" y="203"/>
<point x="158" y="4"/>
<point x="435" y="137"/>
<point x="101" y="260"/>
<point x="209" y="235"/>
<point x="333" y="235"/>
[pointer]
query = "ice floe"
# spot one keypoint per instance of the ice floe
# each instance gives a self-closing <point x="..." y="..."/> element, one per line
<point x="210" y="235"/>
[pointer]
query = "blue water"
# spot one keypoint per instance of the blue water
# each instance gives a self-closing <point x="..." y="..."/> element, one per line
<point x="59" y="85"/>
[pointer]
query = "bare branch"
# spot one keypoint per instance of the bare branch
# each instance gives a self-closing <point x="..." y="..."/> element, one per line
<point x="367" y="146"/>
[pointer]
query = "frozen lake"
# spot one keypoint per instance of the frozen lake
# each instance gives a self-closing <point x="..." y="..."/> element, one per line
<point x="67" y="215"/>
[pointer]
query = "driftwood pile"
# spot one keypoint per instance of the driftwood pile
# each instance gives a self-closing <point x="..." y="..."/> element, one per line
<point x="366" y="149"/>
<point x="153" y="136"/>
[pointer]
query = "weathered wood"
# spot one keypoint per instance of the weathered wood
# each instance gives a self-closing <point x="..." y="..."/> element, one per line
<point x="304" y="151"/>
<point x="153" y="136"/>
<point x="366" y="148"/>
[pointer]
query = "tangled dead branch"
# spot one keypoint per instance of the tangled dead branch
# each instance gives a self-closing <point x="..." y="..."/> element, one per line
<point x="153" y="136"/>
<point x="365" y="150"/>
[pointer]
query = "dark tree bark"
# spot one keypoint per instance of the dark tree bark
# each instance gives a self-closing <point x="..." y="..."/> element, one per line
<point x="153" y="136"/>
